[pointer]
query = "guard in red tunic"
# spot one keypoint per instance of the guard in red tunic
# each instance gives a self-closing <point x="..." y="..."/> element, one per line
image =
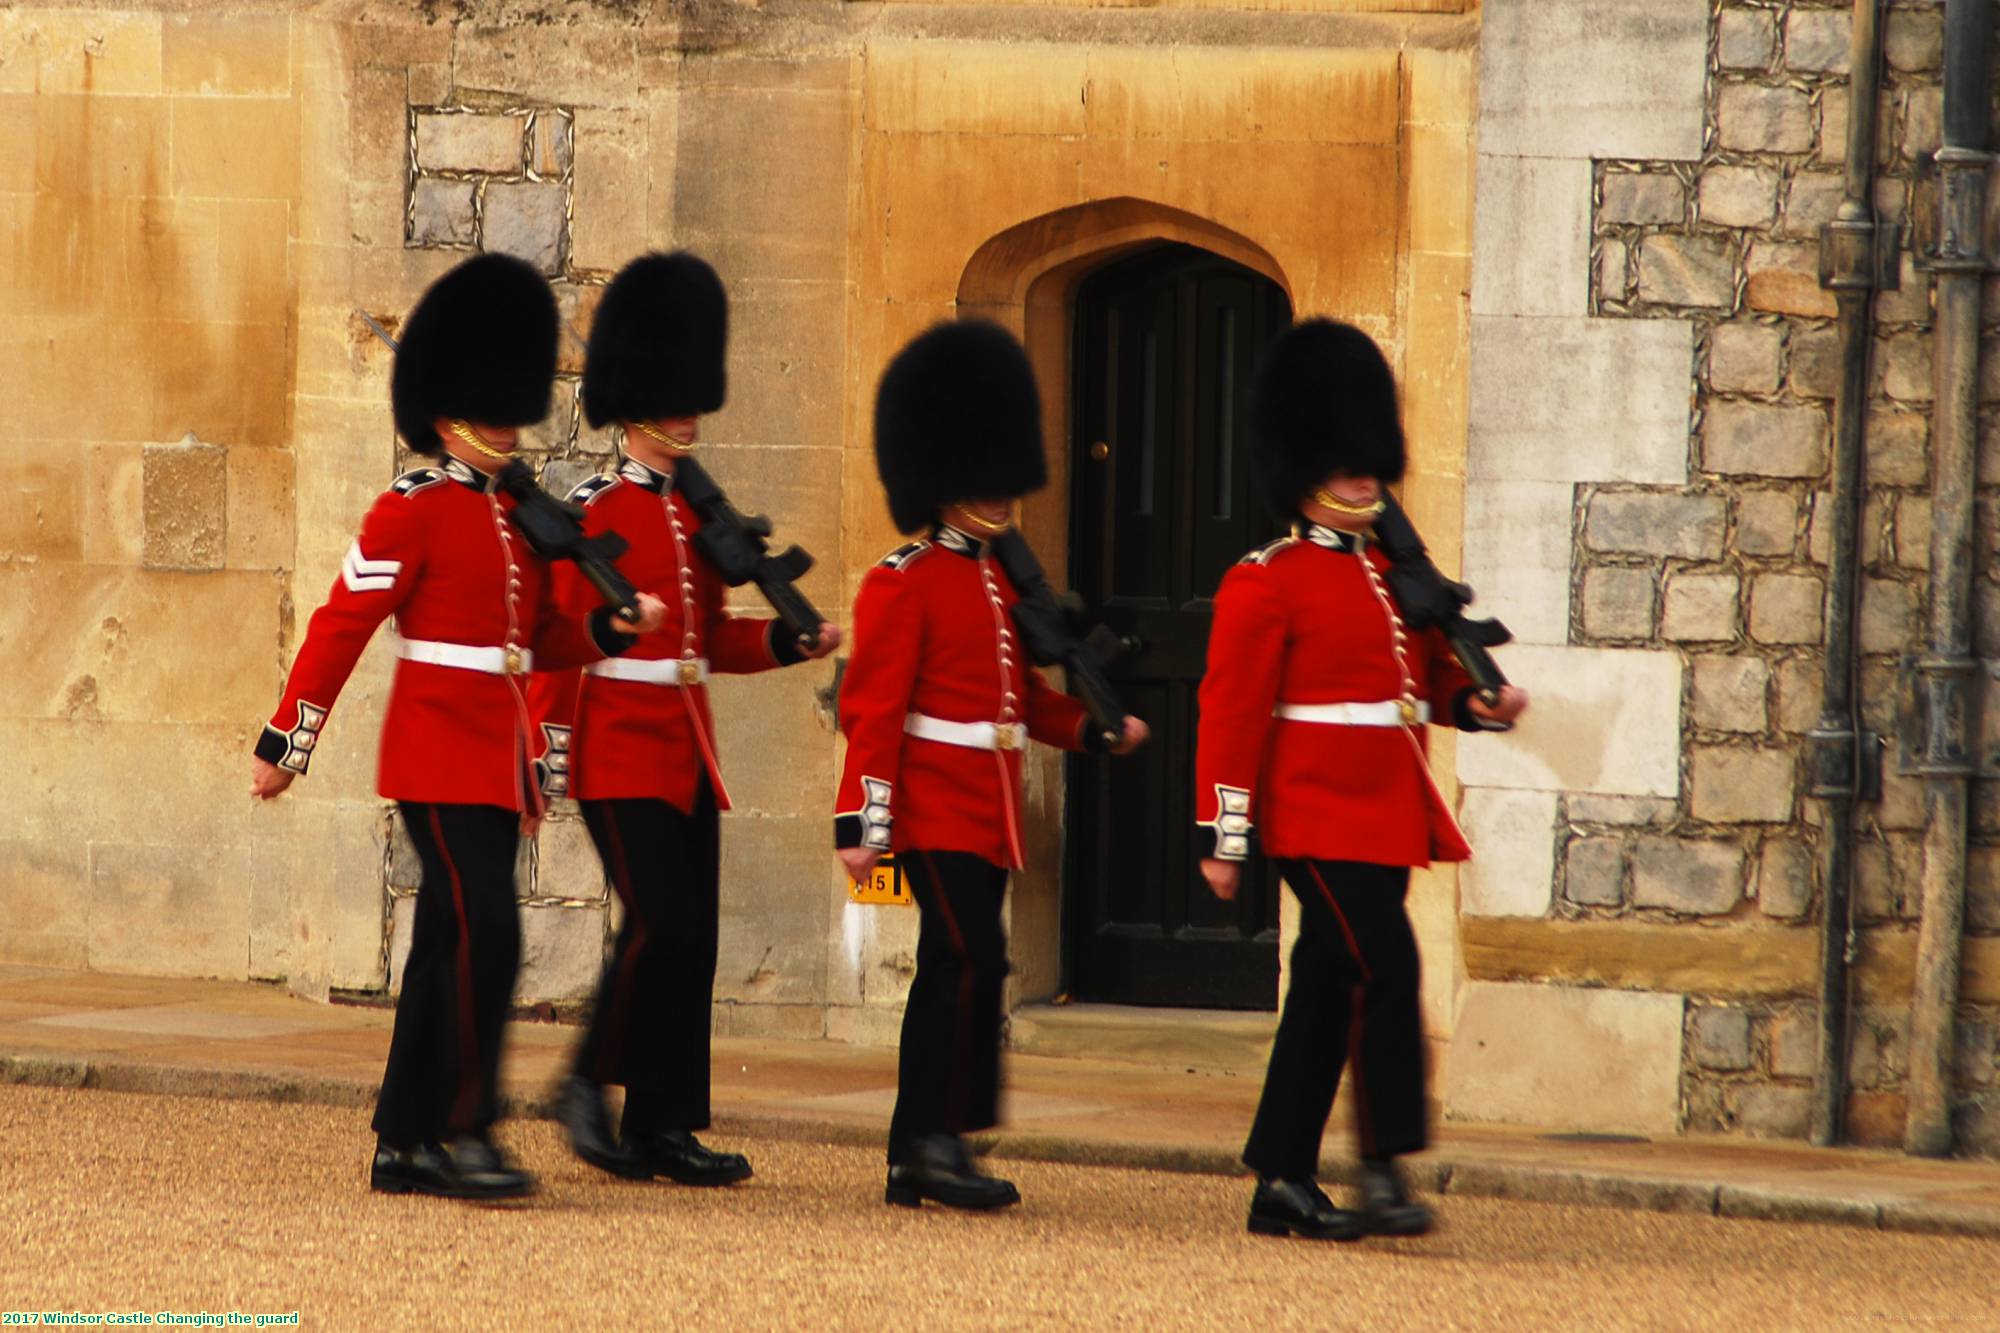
<point x="1312" y="743"/>
<point x="474" y="612"/>
<point x="633" y="739"/>
<point x="937" y="705"/>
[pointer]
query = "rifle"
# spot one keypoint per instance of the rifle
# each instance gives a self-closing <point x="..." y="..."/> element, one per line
<point x="553" y="528"/>
<point x="736" y="544"/>
<point x="1430" y="600"/>
<point x="1054" y="630"/>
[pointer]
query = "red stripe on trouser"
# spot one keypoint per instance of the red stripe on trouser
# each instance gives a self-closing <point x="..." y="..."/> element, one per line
<point x="621" y="994"/>
<point x="1358" y="1027"/>
<point x="466" y="1104"/>
<point x="1339" y="916"/>
<point x="959" y="1085"/>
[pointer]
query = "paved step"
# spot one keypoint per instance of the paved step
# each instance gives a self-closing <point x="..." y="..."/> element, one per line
<point x="1220" y="1040"/>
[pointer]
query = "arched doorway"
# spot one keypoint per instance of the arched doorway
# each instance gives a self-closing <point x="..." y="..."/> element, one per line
<point x="1163" y="345"/>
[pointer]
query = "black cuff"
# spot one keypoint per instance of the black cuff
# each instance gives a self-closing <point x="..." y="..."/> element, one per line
<point x="552" y="769"/>
<point x="611" y="642"/>
<point x="293" y="750"/>
<point x="1231" y="836"/>
<point x="1093" y="737"/>
<point x="846" y="832"/>
<point x="273" y="746"/>
<point x="1205" y="841"/>
<point x="1464" y="718"/>
<point x="784" y="645"/>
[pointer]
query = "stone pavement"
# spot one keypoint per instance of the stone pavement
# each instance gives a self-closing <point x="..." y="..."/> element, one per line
<point x="229" y="1039"/>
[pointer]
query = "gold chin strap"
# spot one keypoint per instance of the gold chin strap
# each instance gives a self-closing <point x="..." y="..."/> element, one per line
<point x="651" y="431"/>
<point x="985" y="524"/>
<point x="471" y="437"/>
<point x="1327" y="498"/>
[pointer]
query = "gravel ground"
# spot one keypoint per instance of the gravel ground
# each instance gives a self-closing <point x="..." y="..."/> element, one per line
<point x="118" y="1202"/>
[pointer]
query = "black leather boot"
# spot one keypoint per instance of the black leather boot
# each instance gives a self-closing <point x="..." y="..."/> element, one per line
<point x="1386" y="1208"/>
<point x="580" y="1109"/>
<point x="423" y="1169"/>
<point x="680" y="1156"/>
<point x="394" y="1170"/>
<point x="1300" y="1208"/>
<point x="475" y="1169"/>
<point x="479" y="1170"/>
<point x="940" y="1170"/>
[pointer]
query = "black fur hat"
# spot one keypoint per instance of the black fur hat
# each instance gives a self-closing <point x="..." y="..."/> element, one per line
<point x="481" y="346"/>
<point x="657" y="342"/>
<point x="957" y="417"/>
<point x="1324" y="402"/>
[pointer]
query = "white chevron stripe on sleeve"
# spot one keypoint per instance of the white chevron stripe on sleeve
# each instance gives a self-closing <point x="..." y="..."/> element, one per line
<point x="361" y="574"/>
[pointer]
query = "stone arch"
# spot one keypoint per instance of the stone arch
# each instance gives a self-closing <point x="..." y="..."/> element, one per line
<point x="1005" y="270"/>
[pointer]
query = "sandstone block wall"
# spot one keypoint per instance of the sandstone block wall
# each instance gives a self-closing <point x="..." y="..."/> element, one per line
<point x="150" y="189"/>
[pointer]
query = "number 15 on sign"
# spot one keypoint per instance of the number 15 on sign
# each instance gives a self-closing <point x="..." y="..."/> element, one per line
<point x="884" y="885"/>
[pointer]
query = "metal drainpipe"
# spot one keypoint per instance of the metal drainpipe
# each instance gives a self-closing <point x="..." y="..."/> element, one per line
<point x="1947" y="669"/>
<point x="1843" y="758"/>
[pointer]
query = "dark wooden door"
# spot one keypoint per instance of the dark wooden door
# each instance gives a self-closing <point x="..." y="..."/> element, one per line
<point x="1162" y="506"/>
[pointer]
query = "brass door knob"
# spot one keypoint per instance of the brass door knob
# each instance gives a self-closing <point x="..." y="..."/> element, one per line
<point x="1100" y="451"/>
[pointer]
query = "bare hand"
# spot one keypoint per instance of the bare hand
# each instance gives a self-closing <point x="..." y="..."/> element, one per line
<point x="267" y="779"/>
<point x="858" y="861"/>
<point x="1512" y="703"/>
<point x="829" y="639"/>
<point x="1223" y="877"/>
<point x="1135" y="735"/>
<point x="652" y="611"/>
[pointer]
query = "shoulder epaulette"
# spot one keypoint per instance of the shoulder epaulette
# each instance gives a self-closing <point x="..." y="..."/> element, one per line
<point x="590" y="488"/>
<point x="1263" y="555"/>
<point x="421" y="479"/>
<point x="904" y="556"/>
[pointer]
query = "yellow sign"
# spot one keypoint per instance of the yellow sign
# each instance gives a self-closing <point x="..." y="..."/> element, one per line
<point x="883" y="885"/>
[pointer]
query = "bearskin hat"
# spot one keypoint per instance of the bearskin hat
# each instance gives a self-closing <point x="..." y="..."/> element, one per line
<point x="1324" y="401"/>
<point x="657" y="342"/>
<point x="480" y="346"/>
<point x="957" y="417"/>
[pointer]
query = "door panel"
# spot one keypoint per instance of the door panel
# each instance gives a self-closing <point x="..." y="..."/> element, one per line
<point x="1163" y="505"/>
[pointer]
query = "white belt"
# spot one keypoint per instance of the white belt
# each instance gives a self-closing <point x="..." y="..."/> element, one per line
<point x="1387" y="713"/>
<point x="972" y="735"/>
<point x="657" y="671"/>
<point x="469" y="657"/>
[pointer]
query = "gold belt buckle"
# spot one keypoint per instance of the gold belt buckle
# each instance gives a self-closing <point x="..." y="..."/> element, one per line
<point x="690" y="671"/>
<point x="1406" y="709"/>
<point x="510" y="658"/>
<point x="1004" y="738"/>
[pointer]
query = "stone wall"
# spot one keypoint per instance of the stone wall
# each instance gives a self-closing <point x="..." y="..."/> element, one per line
<point x="575" y="145"/>
<point x="1703" y="551"/>
<point x="150" y="186"/>
<point x="213" y="202"/>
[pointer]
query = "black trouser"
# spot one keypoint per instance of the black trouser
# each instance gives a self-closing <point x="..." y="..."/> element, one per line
<point x="1354" y="985"/>
<point x="465" y="945"/>
<point x="948" y="1070"/>
<point x="649" y="1029"/>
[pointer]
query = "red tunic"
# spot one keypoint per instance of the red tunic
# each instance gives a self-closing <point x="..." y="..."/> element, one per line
<point x="436" y="551"/>
<point x="600" y="738"/>
<point x="1302" y="622"/>
<point x="934" y="634"/>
